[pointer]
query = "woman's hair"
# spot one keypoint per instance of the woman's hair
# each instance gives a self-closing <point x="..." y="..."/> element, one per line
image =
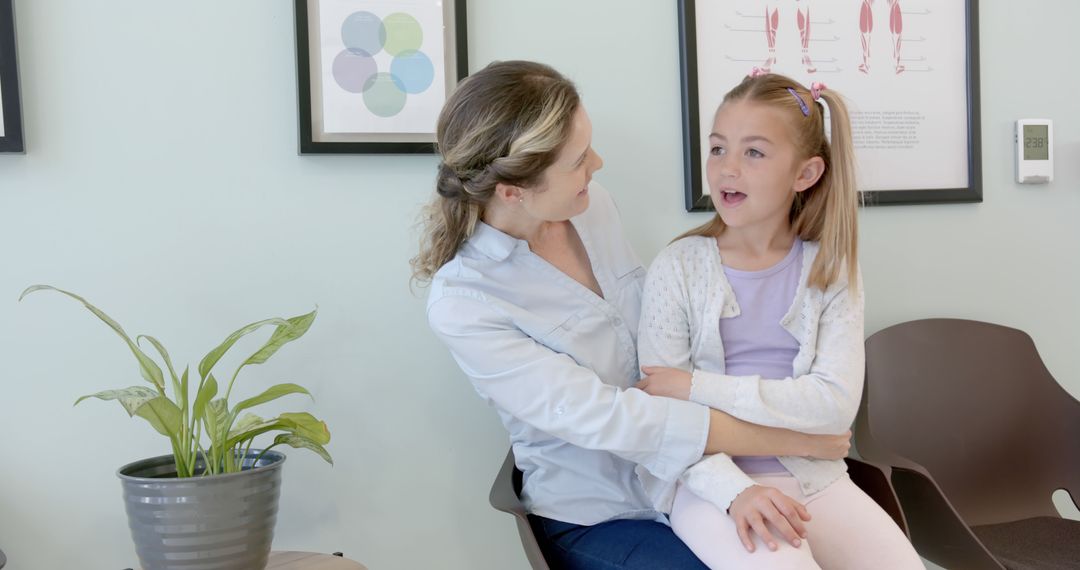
<point x="506" y="123"/>
<point x="827" y="211"/>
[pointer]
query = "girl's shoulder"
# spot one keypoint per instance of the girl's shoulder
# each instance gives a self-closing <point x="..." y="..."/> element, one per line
<point x="692" y="254"/>
<point x="811" y="249"/>
<point x="689" y="247"/>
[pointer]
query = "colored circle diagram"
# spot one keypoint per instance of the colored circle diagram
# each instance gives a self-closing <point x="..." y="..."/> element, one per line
<point x="356" y="70"/>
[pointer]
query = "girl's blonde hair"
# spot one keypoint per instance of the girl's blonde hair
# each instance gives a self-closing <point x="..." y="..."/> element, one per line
<point x="827" y="212"/>
<point x="506" y="123"/>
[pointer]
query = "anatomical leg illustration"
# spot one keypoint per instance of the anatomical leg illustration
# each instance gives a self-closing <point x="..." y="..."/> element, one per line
<point x="866" y="29"/>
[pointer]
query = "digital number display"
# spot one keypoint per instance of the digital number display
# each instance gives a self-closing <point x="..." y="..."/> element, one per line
<point x="1036" y="142"/>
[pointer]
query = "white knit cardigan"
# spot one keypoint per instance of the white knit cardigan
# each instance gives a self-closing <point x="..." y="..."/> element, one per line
<point x="686" y="294"/>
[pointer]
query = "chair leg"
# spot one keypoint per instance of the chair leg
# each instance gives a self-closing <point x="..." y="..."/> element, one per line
<point x="873" y="479"/>
<point x="937" y="531"/>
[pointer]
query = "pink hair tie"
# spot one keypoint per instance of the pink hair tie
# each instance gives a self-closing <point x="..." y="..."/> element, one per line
<point x="815" y="90"/>
<point x="758" y="72"/>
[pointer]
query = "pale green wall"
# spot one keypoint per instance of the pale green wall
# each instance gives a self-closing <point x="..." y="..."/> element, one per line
<point x="162" y="182"/>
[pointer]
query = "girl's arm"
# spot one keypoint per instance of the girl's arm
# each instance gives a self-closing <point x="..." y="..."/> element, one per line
<point x="825" y="400"/>
<point x="664" y="340"/>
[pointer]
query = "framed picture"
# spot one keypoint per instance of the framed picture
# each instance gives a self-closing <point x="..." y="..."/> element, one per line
<point x="373" y="74"/>
<point x="11" y="133"/>
<point x="908" y="70"/>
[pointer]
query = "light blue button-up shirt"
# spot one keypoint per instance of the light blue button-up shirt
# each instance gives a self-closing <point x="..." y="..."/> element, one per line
<point x="556" y="361"/>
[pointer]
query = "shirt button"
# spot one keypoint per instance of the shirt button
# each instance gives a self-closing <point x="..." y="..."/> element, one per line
<point x="618" y="322"/>
<point x="559" y="410"/>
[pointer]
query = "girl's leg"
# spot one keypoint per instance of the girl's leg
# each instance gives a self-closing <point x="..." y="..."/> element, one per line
<point x="711" y="534"/>
<point x="851" y="532"/>
<point x="612" y="545"/>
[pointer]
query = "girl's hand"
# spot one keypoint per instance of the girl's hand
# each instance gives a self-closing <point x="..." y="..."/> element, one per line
<point x="661" y="381"/>
<point x="758" y="505"/>
<point x="829" y="446"/>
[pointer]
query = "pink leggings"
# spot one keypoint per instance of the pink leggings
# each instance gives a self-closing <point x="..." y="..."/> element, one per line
<point x="847" y="531"/>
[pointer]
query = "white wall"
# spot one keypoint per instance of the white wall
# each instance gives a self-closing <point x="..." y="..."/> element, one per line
<point x="162" y="182"/>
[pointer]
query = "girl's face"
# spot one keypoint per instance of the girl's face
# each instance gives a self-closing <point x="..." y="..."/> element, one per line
<point x="563" y="191"/>
<point x="753" y="167"/>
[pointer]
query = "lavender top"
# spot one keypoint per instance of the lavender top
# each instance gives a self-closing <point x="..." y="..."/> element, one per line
<point x="754" y="341"/>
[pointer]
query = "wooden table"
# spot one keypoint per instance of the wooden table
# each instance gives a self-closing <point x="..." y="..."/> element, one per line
<point x="293" y="560"/>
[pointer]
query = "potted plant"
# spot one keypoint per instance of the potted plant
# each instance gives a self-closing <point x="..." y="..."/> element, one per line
<point x="211" y="504"/>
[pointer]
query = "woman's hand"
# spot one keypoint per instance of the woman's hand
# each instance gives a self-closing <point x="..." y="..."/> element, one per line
<point x="758" y="505"/>
<point x="662" y="381"/>
<point x="828" y="446"/>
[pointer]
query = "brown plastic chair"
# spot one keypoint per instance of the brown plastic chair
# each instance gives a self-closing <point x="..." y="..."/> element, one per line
<point x="505" y="496"/>
<point x="979" y="435"/>
<point x="869" y="476"/>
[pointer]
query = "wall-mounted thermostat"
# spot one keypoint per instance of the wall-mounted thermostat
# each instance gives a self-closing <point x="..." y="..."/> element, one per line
<point x="1034" y="151"/>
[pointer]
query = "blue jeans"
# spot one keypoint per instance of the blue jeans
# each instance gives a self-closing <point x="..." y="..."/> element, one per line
<point x="611" y="545"/>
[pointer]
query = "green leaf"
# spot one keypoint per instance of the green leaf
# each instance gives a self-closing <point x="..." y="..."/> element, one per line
<point x="131" y="398"/>
<point x="254" y="430"/>
<point x="217" y="417"/>
<point x="184" y="390"/>
<point x="283" y="334"/>
<point x="150" y="371"/>
<point x="246" y="422"/>
<point x="206" y="393"/>
<point x="273" y="393"/>
<point x="215" y="355"/>
<point x="302" y="424"/>
<point x="141" y="401"/>
<point x="162" y="414"/>
<point x="301" y="442"/>
<point x="307" y="425"/>
<point x="168" y="363"/>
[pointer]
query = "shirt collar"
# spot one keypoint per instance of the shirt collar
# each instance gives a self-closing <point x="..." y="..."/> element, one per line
<point x="492" y="242"/>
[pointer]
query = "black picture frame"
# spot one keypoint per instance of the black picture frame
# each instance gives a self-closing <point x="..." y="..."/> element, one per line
<point x="696" y="200"/>
<point x="11" y="139"/>
<point x="314" y="140"/>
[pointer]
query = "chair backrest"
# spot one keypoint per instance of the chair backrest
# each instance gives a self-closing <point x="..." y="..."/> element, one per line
<point x="973" y="404"/>
<point x="505" y="496"/>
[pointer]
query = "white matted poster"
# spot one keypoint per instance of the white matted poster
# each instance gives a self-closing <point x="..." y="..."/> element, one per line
<point x="374" y="74"/>
<point x="906" y="69"/>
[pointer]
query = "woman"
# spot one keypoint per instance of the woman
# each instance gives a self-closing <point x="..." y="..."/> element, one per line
<point x="537" y="294"/>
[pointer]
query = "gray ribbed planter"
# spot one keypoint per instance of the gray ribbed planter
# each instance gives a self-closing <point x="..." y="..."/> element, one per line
<point x="220" y="522"/>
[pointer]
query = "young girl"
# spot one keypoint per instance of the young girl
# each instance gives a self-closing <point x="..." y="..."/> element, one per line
<point x="759" y="313"/>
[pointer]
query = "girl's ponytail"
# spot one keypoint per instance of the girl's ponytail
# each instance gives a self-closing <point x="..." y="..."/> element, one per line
<point x="829" y="211"/>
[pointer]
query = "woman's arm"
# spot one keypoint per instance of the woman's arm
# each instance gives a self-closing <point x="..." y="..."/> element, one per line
<point x="553" y="393"/>
<point x="733" y="436"/>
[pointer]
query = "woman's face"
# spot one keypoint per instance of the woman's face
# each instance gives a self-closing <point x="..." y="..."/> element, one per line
<point x="563" y="191"/>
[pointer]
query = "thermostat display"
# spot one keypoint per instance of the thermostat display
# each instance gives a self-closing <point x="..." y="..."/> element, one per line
<point x="1034" y="151"/>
